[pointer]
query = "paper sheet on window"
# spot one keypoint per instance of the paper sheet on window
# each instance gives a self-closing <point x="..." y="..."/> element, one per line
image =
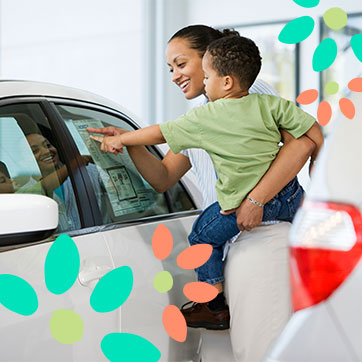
<point x="125" y="188"/>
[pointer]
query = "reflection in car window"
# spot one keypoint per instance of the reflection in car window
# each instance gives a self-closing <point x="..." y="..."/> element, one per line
<point x="30" y="161"/>
<point x="127" y="194"/>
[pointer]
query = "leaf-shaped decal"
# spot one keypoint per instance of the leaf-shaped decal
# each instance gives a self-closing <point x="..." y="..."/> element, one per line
<point x="347" y="108"/>
<point x="356" y="44"/>
<point x="307" y="3"/>
<point x="307" y="97"/>
<point x="297" y="30"/>
<point x="174" y="323"/>
<point x="129" y="347"/>
<point x="162" y="242"/>
<point x="324" y="113"/>
<point x="200" y="292"/>
<point x="324" y="55"/>
<point x="17" y="295"/>
<point x="112" y="290"/>
<point x="194" y="256"/>
<point x="355" y="85"/>
<point x="61" y="265"/>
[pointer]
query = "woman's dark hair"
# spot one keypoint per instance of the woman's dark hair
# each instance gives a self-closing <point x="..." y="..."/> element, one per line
<point x="4" y="169"/>
<point x="237" y="56"/>
<point x="200" y="36"/>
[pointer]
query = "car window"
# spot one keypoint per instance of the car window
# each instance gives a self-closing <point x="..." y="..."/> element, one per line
<point x="30" y="161"/>
<point x="122" y="193"/>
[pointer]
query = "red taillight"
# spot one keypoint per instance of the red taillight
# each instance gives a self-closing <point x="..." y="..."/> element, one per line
<point x="326" y="244"/>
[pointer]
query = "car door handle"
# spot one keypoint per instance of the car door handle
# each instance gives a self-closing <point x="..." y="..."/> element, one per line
<point x="90" y="276"/>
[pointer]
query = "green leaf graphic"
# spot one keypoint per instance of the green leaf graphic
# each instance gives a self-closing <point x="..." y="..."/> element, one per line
<point x="112" y="290"/>
<point x="61" y="265"/>
<point x="129" y="347"/>
<point x="324" y="55"/>
<point x="297" y="30"/>
<point x="17" y="295"/>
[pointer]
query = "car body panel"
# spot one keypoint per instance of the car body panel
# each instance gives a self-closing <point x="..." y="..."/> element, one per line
<point x="332" y="329"/>
<point x="303" y="339"/>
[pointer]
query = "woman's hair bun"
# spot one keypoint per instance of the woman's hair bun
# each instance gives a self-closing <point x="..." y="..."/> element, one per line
<point x="230" y="32"/>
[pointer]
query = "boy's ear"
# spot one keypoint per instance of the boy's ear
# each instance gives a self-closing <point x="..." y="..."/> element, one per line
<point x="228" y="82"/>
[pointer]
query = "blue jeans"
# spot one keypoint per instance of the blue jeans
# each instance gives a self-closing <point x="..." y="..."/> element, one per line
<point x="216" y="229"/>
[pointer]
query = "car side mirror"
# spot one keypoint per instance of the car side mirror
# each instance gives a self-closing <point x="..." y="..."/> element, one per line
<point x="26" y="218"/>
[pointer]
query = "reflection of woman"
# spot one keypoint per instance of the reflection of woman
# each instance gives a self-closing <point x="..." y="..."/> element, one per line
<point x="46" y="155"/>
<point x="184" y="57"/>
<point x="55" y="183"/>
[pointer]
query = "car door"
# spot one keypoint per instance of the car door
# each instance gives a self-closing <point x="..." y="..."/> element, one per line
<point x="126" y="199"/>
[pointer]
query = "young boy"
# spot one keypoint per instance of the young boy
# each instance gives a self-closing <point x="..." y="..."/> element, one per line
<point x="241" y="134"/>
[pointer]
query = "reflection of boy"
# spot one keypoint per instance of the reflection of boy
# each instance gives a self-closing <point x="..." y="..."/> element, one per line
<point x="241" y="134"/>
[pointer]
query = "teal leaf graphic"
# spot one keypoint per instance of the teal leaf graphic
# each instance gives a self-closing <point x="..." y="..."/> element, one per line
<point x="129" y="347"/>
<point x="297" y="30"/>
<point x="324" y="55"/>
<point x="17" y="295"/>
<point x="307" y="3"/>
<point x="112" y="290"/>
<point x="61" y="265"/>
<point x="356" y="44"/>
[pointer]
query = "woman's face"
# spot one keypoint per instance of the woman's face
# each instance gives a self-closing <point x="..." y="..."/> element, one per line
<point x="186" y="67"/>
<point x="6" y="184"/>
<point x="45" y="153"/>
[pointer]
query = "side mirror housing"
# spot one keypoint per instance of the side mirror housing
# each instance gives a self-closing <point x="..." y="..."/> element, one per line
<point x="26" y="218"/>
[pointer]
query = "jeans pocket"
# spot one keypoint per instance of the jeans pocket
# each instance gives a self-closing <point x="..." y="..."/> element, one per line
<point x="294" y="201"/>
<point x="271" y="209"/>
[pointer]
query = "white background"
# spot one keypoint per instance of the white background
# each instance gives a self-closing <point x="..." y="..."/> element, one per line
<point x="116" y="47"/>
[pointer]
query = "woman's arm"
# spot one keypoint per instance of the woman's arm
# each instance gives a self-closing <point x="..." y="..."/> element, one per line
<point x="161" y="175"/>
<point x="289" y="161"/>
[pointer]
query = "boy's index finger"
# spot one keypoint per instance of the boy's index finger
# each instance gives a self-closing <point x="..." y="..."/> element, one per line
<point x="97" y="138"/>
<point x="93" y="130"/>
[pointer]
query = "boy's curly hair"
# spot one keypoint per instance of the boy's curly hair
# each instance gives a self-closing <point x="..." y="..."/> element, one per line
<point x="237" y="56"/>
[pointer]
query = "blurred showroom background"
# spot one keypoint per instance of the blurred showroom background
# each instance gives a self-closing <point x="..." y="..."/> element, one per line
<point x="115" y="48"/>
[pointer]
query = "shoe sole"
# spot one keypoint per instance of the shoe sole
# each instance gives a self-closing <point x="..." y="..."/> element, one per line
<point x="210" y="326"/>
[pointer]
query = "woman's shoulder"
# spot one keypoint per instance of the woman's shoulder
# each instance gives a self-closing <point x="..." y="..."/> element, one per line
<point x="262" y="87"/>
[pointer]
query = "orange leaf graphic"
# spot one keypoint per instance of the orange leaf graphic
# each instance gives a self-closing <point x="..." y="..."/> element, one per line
<point x="174" y="323"/>
<point x="355" y="85"/>
<point x="347" y="107"/>
<point x="200" y="292"/>
<point x="194" y="256"/>
<point x="162" y="242"/>
<point x="324" y="113"/>
<point x="308" y="96"/>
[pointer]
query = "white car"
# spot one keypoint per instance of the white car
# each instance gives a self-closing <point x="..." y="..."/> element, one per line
<point x="54" y="180"/>
<point x="325" y="255"/>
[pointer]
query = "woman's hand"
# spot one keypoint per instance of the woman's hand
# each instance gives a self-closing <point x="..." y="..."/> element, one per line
<point x="248" y="215"/>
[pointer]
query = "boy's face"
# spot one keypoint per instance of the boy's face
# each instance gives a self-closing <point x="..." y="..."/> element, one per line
<point x="214" y="84"/>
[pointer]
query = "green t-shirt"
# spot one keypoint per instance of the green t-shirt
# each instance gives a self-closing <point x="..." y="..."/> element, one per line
<point x="240" y="135"/>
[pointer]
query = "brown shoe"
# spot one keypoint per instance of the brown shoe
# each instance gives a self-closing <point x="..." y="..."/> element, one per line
<point x="199" y="315"/>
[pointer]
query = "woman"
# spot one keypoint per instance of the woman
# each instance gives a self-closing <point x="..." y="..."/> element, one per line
<point x="184" y="57"/>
